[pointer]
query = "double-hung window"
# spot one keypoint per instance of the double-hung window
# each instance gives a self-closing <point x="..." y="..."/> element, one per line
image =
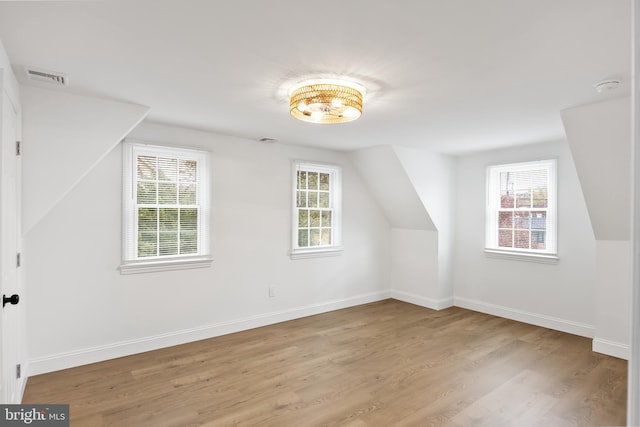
<point x="521" y="209"/>
<point x="317" y="199"/>
<point x="166" y="208"/>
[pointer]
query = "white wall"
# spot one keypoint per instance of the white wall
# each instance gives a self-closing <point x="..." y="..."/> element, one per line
<point x="415" y="190"/>
<point x="613" y="298"/>
<point x="9" y="83"/>
<point x="559" y="296"/>
<point x="48" y="172"/>
<point x="433" y="177"/>
<point x="393" y="189"/>
<point x="414" y="267"/>
<point x="599" y="137"/>
<point x="82" y="309"/>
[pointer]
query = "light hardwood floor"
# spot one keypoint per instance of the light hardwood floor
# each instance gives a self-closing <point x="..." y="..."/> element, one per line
<point x="383" y="364"/>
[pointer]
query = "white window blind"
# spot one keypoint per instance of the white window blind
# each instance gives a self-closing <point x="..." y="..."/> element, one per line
<point x="316" y="208"/>
<point x="521" y="208"/>
<point x="166" y="206"/>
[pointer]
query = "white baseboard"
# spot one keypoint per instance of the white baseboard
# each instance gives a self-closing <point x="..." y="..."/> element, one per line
<point x="550" y="322"/>
<point x="56" y="362"/>
<point x="611" y="348"/>
<point x="434" y="304"/>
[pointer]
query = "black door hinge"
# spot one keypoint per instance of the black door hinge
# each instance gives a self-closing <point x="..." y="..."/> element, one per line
<point x="17" y="148"/>
<point x="18" y="260"/>
<point x="18" y="371"/>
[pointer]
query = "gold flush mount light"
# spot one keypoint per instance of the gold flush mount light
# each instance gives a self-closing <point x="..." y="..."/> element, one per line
<point x="326" y="101"/>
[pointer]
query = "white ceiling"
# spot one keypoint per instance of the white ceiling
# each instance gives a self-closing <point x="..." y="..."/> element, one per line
<point x="448" y="75"/>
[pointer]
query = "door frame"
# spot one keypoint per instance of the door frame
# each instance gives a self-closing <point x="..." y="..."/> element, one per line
<point x="16" y="352"/>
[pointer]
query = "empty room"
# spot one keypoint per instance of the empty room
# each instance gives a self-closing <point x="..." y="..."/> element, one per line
<point x="344" y="213"/>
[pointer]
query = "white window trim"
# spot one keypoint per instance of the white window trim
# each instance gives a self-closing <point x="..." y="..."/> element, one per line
<point x="130" y="263"/>
<point x="548" y="256"/>
<point x="136" y="267"/>
<point x="522" y="256"/>
<point x="336" y="194"/>
<point x="315" y="253"/>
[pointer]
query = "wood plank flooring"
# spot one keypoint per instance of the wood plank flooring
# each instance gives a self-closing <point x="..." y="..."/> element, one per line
<point x="383" y="364"/>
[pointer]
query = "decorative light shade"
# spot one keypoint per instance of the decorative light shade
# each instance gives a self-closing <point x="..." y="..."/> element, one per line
<point x="326" y="101"/>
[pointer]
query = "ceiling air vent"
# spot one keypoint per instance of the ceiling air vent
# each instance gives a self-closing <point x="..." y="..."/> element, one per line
<point x="59" y="79"/>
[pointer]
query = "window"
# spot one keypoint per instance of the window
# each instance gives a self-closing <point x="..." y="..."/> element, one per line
<point x="166" y="208"/>
<point x="316" y="210"/>
<point x="521" y="209"/>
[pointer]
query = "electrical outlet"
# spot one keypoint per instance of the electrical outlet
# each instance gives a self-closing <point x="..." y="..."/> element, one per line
<point x="272" y="291"/>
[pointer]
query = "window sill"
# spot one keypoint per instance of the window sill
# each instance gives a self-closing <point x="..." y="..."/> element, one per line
<point x="137" y="267"/>
<point x="315" y="253"/>
<point x="522" y="256"/>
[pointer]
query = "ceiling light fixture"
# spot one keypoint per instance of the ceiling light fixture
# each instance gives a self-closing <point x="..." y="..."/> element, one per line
<point x="326" y="101"/>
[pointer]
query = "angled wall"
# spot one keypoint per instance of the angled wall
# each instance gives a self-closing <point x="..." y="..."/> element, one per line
<point x="414" y="189"/>
<point x="599" y="137"/>
<point x="72" y="135"/>
<point x="433" y="178"/>
<point x="389" y="183"/>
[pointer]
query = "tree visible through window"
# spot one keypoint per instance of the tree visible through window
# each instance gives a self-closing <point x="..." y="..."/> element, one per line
<point x="521" y="207"/>
<point x="166" y="203"/>
<point x="313" y="202"/>
<point x="316" y="207"/>
<point x="167" y="206"/>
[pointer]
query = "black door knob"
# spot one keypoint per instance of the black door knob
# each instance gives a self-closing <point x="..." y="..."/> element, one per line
<point x="13" y="299"/>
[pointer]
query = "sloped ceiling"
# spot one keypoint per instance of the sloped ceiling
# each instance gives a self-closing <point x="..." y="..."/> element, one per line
<point x="389" y="183"/>
<point x="69" y="135"/>
<point x="599" y="136"/>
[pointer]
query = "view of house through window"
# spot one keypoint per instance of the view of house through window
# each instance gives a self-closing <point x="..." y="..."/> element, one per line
<point x="521" y="207"/>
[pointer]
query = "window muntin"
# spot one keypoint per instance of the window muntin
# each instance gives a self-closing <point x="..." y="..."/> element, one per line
<point x="316" y="213"/>
<point x="165" y="203"/>
<point x="521" y="207"/>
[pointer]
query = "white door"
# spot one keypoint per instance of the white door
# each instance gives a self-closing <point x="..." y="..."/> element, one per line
<point x="11" y="313"/>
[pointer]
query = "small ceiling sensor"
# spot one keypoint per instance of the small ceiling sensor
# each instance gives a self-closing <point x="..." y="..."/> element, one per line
<point x="606" y="85"/>
<point x="267" y="139"/>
